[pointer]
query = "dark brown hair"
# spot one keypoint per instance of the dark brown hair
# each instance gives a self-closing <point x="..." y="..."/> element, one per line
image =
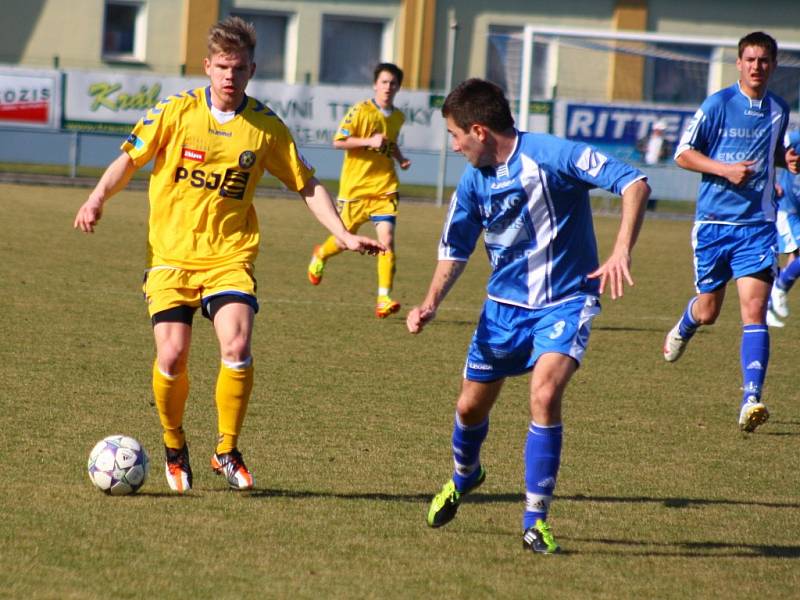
<point x="478" y="101"/>
<point x="762" y="40"/>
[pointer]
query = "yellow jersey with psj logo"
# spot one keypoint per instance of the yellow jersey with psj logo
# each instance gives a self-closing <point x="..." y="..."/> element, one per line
<point x="204" y="176"/>
<point x="367" y="172"/>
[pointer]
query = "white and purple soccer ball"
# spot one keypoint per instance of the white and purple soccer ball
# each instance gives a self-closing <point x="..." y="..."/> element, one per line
<point x="118" y="465"/>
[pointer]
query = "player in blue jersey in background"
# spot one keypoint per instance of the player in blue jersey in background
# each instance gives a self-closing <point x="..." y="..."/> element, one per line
<point x="735" y="140"/>
<point x="787" y="223"/>
<point x="528" y="194"/>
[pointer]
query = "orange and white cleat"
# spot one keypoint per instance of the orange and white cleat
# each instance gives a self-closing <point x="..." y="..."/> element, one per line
<point x="231" y="465"/>
<point x="178" y="470"/>
<point x="385" y="307"/>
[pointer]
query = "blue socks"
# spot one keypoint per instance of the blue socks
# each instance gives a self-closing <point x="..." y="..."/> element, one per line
<point x="688" y="325"/>
<point x="467" y="442"/>
<point x="755" y="357"/>
<point x="542" y="460"/>
<point x="789" y="275"/>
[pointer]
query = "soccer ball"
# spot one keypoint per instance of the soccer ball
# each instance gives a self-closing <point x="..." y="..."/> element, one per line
<point x="118" y="465"/>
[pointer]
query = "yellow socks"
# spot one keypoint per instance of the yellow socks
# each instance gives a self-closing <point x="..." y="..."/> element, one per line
<point x="234" y="384"/>
<point x="386" y="267"/>
<point x="170" y="392"/>
<point x="329" y="248"/>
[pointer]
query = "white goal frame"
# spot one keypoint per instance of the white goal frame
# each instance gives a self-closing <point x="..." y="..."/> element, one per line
<point x="530" y="32"/>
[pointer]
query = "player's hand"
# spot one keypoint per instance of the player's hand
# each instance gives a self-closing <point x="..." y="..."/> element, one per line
<point x="362" y="244"/>
<point x="418" y="317"/>
<point x="404" y="164"/>
<point x="792" y="161"/>
<point x="88" y="215"/>
<point x="778" y="190"/>
<point x="739" y="173"/>
<point x="614" y="272"/>
<point x="377" y="142"/>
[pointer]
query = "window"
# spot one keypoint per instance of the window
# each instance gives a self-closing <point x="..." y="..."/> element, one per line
<point x="504" y="61"/>
<point x="351" y="48"/>
<point x="270" y="55"/>
<point x="124" y="30"/>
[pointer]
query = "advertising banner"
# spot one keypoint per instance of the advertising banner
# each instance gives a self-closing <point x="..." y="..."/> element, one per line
<point x="110" y="102"/>
<point x="621" y="130"/>
<point x="30" y="98"/>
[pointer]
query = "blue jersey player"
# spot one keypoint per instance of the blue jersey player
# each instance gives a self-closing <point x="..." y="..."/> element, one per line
<point x="735" y="140"/>
<point x="787" y="223"/>
<point x="528" y="194"/>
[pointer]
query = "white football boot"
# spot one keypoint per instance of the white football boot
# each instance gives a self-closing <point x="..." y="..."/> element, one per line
<point x="752" y="414"/>
<point x="778" y="302"/>
<point x="773" y="320"/>
<point x="674" y="344"/>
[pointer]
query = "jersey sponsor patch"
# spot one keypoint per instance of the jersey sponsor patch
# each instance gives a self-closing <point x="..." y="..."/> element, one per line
<point x="196" y="155"/>
<point x="135" y="141"/>
<point x="591" y="161"/>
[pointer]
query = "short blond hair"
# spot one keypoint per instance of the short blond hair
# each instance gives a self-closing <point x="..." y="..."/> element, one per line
<point x="230" y="36"/>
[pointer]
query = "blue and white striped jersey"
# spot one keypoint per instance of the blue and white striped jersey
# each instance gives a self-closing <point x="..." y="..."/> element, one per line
<point x="731" y="127"/>
<point x="790" y="201"/>
<point x="536" y="218"/>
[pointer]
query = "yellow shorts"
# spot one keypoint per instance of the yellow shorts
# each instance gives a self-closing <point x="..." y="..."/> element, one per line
<point x="355" y="213"/>
<point x="168" y="287"/>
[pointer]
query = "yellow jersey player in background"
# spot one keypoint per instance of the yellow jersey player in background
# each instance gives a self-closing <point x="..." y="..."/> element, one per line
<point x="210" y="147"/>
<point x="368" y="184"/>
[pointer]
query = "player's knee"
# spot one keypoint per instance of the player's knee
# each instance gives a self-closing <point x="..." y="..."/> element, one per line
<point x="236" y="349"/>
<point x="706" y="315"/>
<point x="171" y="359"/>
<point x="470" y="412"/>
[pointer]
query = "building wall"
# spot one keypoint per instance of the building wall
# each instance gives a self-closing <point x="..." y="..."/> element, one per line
<point x="308" y="17"/>
<point x="69" y="33"/>
<point x="71" y="30"/>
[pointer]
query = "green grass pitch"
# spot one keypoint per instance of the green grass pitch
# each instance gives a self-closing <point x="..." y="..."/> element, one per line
<point x="348" y="433"/>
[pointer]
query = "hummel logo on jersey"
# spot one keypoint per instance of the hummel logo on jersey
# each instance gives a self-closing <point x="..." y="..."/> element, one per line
<point x="501" y="185"/>
<point x="591" y="161"/>
<point x="755" y="365"/>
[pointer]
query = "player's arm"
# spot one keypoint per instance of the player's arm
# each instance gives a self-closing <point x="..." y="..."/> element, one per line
<point x="114" y="179"/>
<point x="616" y="270"/>
<point x="397" y="154"/>
<point x="787" y="158"/>
<point x="444" y="277"/>
<point x="694" y="160"/>
<point x="321" y="204"/>
<point x="376" y="141"/>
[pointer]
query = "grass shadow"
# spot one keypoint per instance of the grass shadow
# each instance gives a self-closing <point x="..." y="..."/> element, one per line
<point x="486" y="498"/>
<point x="686" y="549"/>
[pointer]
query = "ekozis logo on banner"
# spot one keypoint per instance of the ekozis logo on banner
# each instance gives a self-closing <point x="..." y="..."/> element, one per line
<point x="26" y="100"/>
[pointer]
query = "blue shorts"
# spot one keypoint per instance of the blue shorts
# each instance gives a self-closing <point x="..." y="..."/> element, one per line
<point x="510" y="339"/>
<point x="723" y="251"/>
<point x="788" y="226"/>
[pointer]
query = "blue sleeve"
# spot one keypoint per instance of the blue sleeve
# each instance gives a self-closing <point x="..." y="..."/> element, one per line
<point x="700" y="132"/>
<point x="592" y="167"/>
<point x="463" y="224"/>
<point x="791" y="190"/>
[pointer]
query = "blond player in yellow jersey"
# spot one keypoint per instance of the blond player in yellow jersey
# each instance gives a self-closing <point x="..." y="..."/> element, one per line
<point x="210" y="147"/>
<point x="368" y="185"/>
